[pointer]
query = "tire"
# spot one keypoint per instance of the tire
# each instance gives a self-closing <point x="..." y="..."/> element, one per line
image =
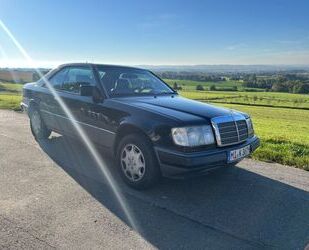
<point x="137" y="163"/>
<point x="37" y="125"/>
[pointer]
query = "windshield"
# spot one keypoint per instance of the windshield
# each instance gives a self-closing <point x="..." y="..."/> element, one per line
<point x="131" y="82"/>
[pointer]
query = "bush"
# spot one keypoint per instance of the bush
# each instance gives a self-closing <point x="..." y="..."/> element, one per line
<point x="301" y="88"/>
<point x="176" y="86"/>
<point x="199" y="87"/>
<point x="212" y="88"/>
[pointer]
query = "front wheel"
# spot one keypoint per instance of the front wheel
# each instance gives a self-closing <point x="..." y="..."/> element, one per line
<point x="38" y="127"/>
<point x="137" y="162"/>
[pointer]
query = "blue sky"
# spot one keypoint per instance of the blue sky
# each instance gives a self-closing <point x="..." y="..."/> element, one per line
<point x="156" y="32"/>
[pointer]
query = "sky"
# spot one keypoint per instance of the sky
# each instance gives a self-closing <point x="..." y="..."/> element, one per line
<point x="156" y="32"/>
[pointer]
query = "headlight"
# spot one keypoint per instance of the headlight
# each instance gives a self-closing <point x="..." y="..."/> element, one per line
<point x="193" y="136"/>
<point x="250" y="127"/>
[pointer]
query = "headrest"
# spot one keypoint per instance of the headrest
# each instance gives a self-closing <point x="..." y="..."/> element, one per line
<point x="83" y="78"/>
<point x="122" y="84"/>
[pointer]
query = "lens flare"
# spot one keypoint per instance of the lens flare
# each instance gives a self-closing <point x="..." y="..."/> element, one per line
<point x="91" y="148"/>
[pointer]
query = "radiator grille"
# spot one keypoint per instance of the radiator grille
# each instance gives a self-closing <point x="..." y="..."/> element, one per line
<point x="230" y="129"/>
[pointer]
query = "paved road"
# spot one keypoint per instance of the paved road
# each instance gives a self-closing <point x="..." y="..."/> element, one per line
<point x="53" y="196"/>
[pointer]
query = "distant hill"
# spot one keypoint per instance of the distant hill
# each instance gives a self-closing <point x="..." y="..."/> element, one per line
<point x="228" y="68"/>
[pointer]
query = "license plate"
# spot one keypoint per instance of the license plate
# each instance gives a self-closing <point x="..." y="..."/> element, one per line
<point x="240" y="153"/>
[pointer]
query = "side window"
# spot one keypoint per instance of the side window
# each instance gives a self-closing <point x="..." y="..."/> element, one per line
<point x="77" y="76"/>
<point x="57" y="79"/>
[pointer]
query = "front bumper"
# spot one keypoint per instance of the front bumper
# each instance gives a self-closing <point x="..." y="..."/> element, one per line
<point x="176" y="164"/>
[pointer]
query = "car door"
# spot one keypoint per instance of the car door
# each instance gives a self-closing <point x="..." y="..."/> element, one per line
<point x="93" y="118"/>
<point x="51" y="110"/>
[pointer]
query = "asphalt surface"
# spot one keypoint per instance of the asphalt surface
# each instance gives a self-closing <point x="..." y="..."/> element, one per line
<point x="53" y="195"/>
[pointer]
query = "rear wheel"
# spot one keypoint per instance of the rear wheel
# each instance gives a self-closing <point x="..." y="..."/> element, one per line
<point x="38" y="127"/>
<point x="138" y="165"/>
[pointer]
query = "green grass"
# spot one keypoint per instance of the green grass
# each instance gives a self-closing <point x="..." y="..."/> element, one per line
<point x="270" y="99"/>
<point x="10" y="101"/>
<point x="10" y="95"/>
<point x="10" y="87"/>
<point x="208" y="95"/>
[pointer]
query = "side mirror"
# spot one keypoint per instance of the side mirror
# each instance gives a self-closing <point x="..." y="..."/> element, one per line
<point x="89" y="90"/>
<point x="86" y="90"/>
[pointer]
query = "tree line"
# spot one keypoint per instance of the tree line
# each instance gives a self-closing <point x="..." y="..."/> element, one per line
<point x="277" y="82"/>
<point x="281" y="83"/>
<point x="193" y="76"/>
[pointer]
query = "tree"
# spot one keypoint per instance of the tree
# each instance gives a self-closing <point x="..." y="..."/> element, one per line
<point x="280" y="87"/>
<point x="199" y="87"/>
<point x="301" y="88"/>
<point x="175" y="86"/>
<point x="212" y="88"/>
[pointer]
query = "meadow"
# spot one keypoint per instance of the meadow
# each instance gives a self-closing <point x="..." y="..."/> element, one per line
<point x="281" y="120"/>
<point x="11" y="87"/>
<point x="266" y="99"/>
<point x="10" y="95"/>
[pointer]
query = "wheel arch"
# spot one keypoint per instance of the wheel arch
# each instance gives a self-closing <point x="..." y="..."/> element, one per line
<point x="127" y="129"/>
<point x="32" y="105"/>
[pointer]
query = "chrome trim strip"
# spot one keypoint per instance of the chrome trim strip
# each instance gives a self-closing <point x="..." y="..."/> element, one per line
<point x="236" y="126"/>
<point x="217" y="133"/>
<point x="86" y="124"/>
<point x="247" y="122"/>
<point x="234" y="117"/>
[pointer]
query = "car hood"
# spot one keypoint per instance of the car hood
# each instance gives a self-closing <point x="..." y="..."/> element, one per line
<point x="177" y="106"/>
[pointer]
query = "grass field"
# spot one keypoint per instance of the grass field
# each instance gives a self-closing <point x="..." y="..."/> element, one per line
<point x="11" y="87"/>
<point x="9" y="100"/>
<point x="10" y="95"/>
<point x="284" y="132"/>
<point x="188" y="85"/>
<point x="270" y="99"/>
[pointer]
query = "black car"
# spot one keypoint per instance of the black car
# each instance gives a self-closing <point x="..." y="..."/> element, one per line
<point x="145" y="124"/>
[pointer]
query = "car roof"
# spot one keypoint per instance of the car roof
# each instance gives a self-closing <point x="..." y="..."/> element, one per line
<point x="98" y="65"/>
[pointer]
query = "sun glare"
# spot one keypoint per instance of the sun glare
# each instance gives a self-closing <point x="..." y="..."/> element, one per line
<point x="91" y="148"/>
